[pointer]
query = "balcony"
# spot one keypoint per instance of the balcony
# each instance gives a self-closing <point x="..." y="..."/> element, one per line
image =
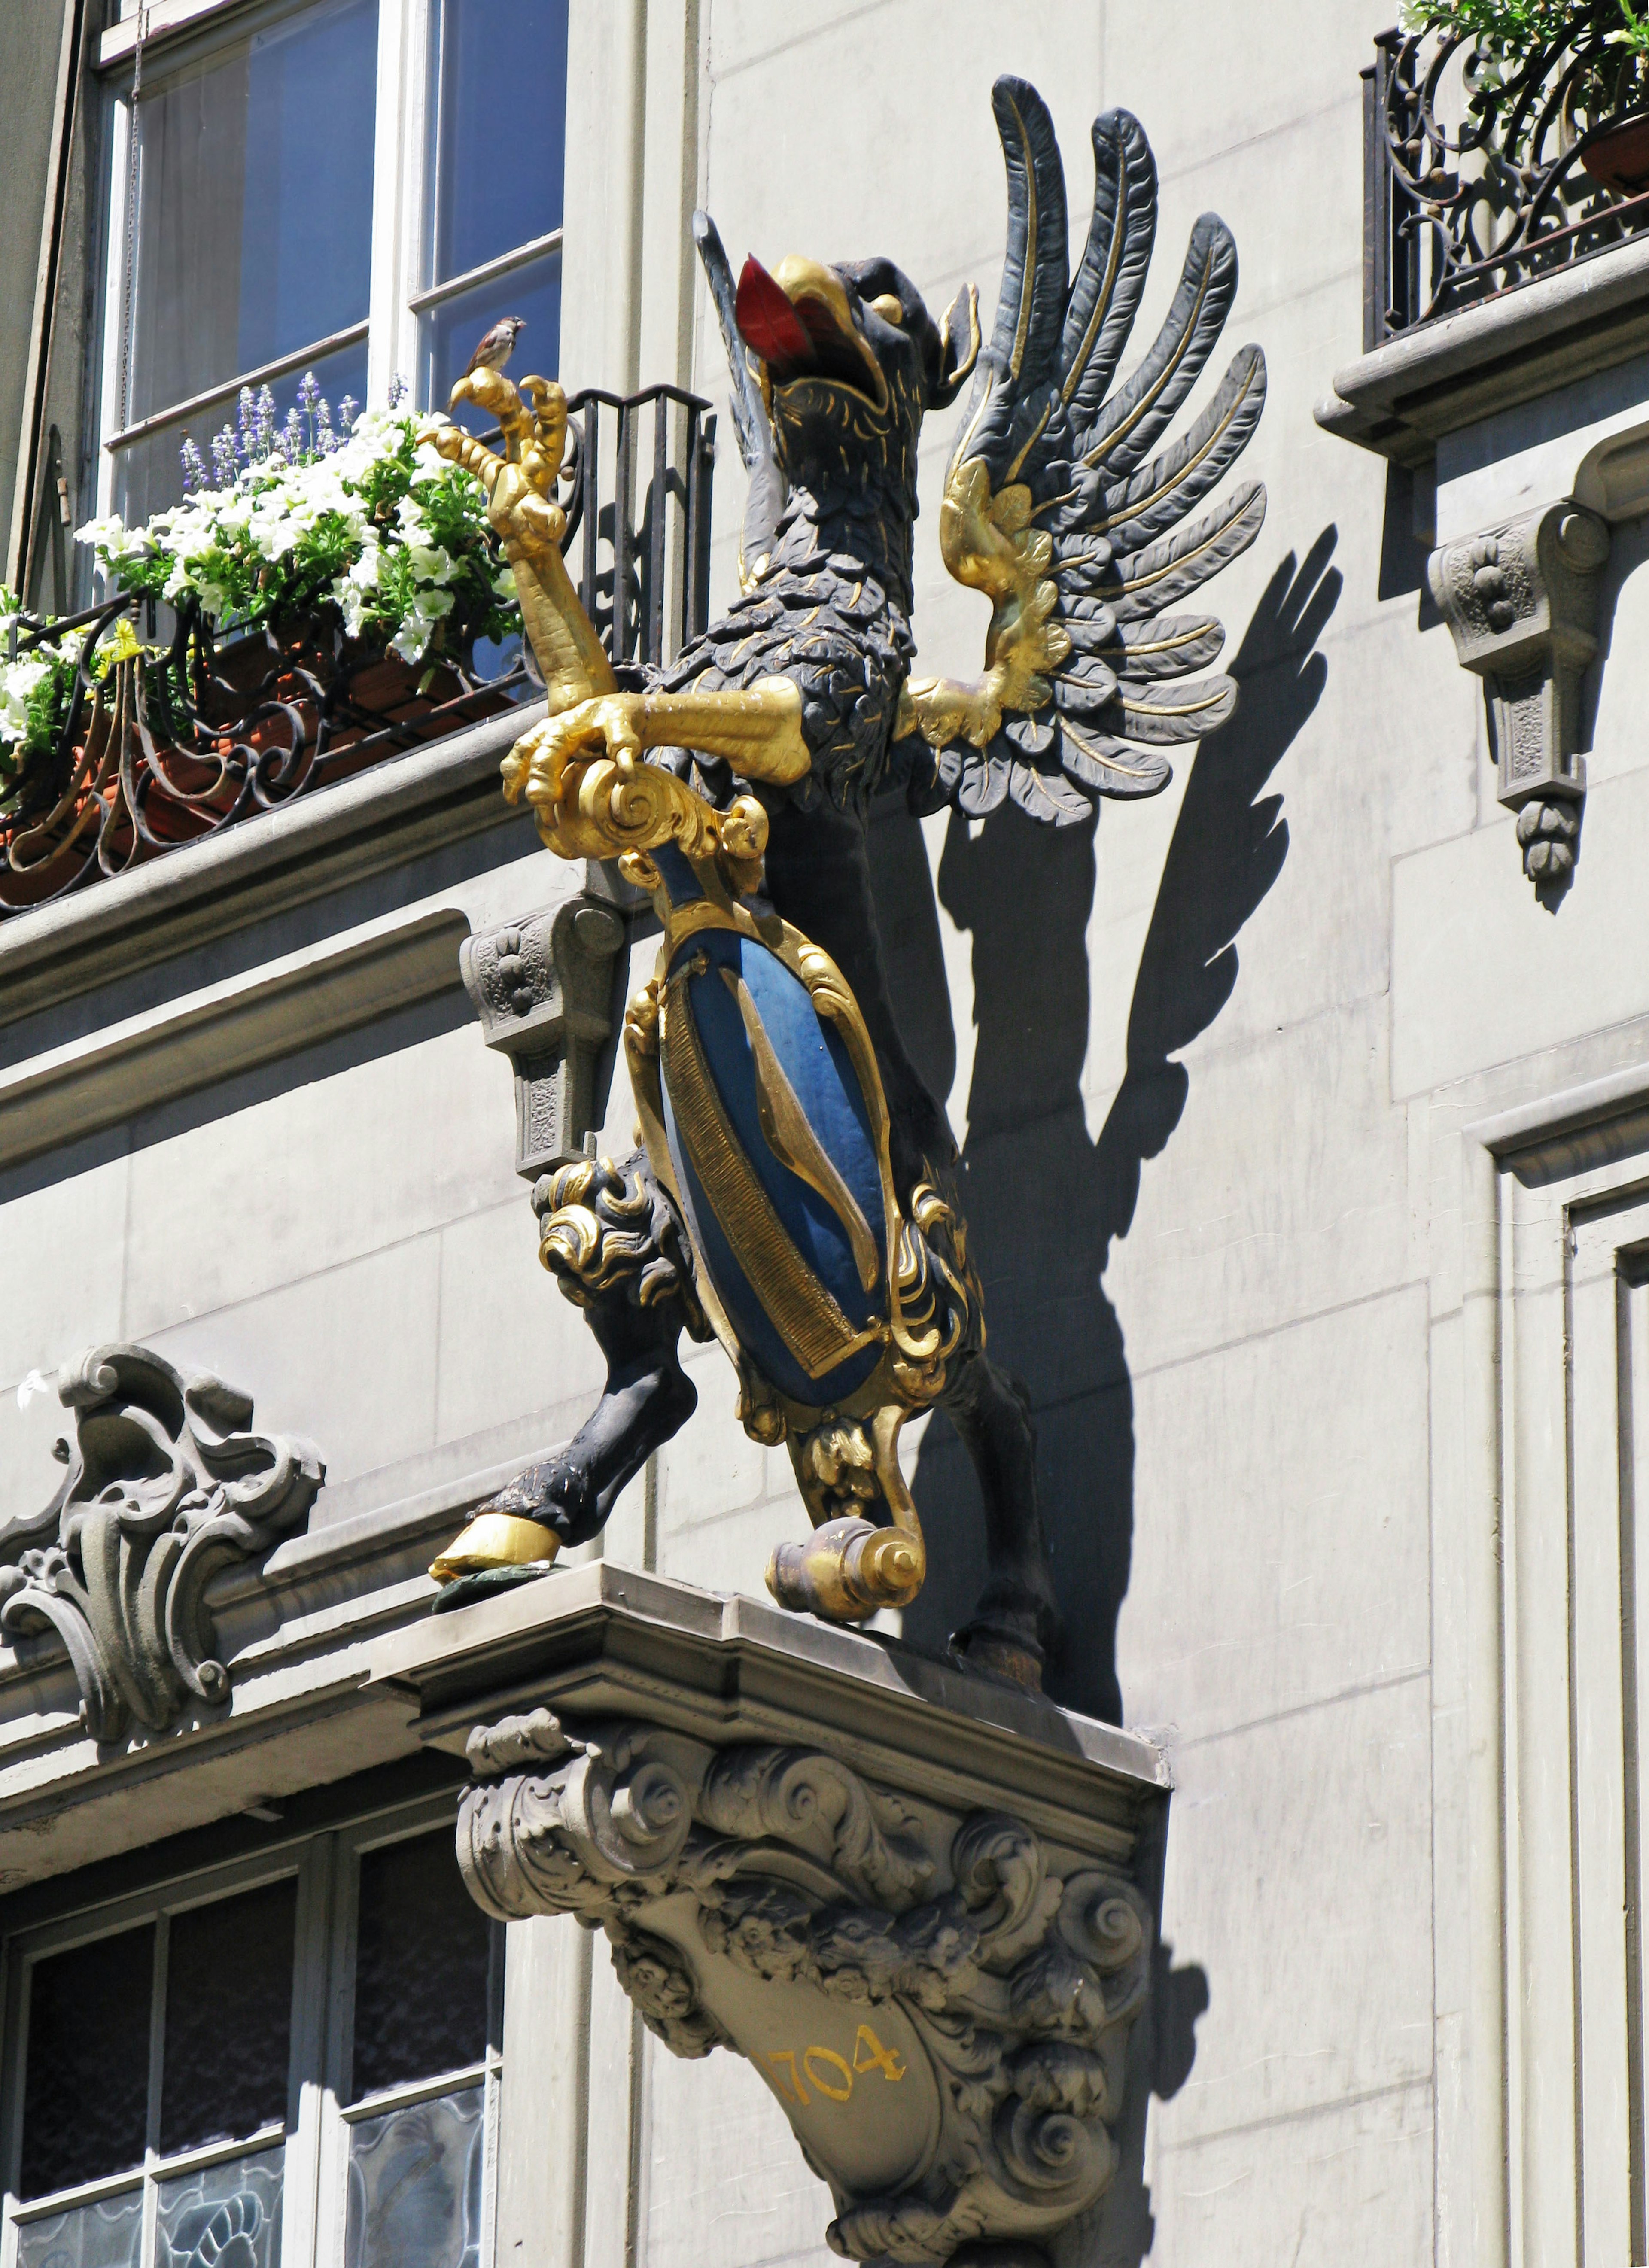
<point x="1506" y="208"/>
<point x="158" y="748"/>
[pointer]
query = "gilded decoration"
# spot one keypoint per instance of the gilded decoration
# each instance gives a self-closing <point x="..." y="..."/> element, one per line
<point x="792" y="1164"/>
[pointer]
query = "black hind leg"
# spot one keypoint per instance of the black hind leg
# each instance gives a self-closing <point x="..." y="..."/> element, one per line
<point x="612" y="1237"/>
<point x="1015" y="1623"/>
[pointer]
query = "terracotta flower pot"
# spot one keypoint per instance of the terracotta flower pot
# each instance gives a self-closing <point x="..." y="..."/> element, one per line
<point x="1618" y="159"/>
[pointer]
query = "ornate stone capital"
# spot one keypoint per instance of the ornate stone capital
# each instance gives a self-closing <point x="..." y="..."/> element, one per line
<point x="543" y="988"/>
<point x="1521" y="601"/>
<point x="164" y="1487"/>
<point x="939" y="1998"/>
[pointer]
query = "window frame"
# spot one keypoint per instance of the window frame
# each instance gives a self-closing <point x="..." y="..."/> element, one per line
<point x="404" y="189"/>
<point x="315" y="2132"/>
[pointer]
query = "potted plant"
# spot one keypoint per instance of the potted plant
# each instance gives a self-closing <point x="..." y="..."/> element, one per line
<point x="1593" y="58"/>
<point x="329" y="582"/>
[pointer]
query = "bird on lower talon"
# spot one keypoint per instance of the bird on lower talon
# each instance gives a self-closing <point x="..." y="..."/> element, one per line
<point x="498" y="346"/>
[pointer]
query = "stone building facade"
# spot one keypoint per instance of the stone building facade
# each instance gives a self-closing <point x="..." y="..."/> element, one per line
<point x="1304" y="1144"/>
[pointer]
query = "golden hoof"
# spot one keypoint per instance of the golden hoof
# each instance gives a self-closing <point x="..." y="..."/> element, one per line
<point x="847" y="1570"/>
<point x="496" y="1539"/>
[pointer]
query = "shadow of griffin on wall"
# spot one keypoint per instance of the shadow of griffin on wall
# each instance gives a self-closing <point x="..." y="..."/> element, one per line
<point x="795" y="1193"/>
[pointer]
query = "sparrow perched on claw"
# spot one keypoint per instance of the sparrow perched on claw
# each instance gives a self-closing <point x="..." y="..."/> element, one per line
<point x="498" y="346"/>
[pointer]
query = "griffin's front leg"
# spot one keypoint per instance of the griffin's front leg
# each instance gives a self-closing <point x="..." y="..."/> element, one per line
<point x="521" y="505"/>
<point x="757" y="729"/>
<point x="612" y="1240"/>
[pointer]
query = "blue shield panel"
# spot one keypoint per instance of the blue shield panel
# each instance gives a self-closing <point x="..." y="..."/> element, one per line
<point x="770" y="1141"/>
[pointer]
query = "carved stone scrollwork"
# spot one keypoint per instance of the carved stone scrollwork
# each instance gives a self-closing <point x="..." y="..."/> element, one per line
<point x="543" y="990"/>
<point x="1521" y="601"/>
<point x="164" y="1487"/>
<point x="940" y="2003"/>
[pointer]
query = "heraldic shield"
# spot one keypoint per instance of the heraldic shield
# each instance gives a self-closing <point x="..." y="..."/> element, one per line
<point x="762" y="1111"/>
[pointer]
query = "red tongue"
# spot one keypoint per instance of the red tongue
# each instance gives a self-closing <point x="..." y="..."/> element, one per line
<point x="767" y="320"/>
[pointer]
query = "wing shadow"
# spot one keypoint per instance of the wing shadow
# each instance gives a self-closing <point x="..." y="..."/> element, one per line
<point x="1045" y="1203"/>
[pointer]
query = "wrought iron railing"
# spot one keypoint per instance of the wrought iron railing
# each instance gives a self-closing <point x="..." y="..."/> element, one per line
<point x="1478" y="176"/>
<point x="154" y="751"/>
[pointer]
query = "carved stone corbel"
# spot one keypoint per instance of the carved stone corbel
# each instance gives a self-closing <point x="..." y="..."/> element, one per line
<point x="542" y="987"/>
<point x="1521" y="601"/>
<point x="164" y="1488"/>
<point x="939" y="1998"/>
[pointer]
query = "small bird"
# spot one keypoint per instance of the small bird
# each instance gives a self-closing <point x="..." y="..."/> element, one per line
<point x="498" y="346"/>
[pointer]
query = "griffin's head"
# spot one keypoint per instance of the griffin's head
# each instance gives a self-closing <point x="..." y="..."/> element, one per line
<point x="849" y="361"/>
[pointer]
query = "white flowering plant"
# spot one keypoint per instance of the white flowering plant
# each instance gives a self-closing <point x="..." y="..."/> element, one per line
<point x="362" y="516"/>
<point x="36" y="683"/>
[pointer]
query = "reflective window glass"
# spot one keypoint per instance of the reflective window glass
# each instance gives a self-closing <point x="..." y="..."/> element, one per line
<point x="86" y="2097"/>
<point x="149" y="474"/>
<point x="499" y="132"/>
<point x="229" y="2017"/>
<point x="454" y="327"/>
<point x="422" y="1951"/>
<point x="255" y="204"/>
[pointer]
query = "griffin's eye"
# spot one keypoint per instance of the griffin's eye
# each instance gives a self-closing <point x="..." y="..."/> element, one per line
<point x="889" y="309"/>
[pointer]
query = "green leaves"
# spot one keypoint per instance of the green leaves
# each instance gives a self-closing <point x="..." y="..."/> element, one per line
<point x="1516" y="29"/>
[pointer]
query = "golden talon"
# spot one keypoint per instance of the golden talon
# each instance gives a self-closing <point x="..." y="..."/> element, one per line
<point x="495" y="1539"/>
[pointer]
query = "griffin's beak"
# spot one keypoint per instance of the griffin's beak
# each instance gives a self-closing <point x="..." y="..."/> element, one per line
<point x="800" y="323"/>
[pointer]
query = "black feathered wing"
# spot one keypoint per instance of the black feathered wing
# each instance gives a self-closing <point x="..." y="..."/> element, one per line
<point x="1057" y="507"/>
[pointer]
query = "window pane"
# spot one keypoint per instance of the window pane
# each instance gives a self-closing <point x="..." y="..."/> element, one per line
<point x="453" y="331"/>
<point x="229" y="2017"/>
<point x="230" y="2215"/>
<point x="85" y="2098"/>
<point x="421" y="1955"/>
<point x="415" y="2186"/>
<point x="500" y="132"/>
<point x="254" y="231"/>
<point x="148" y="475"/>
<point x="108" y="2235"/>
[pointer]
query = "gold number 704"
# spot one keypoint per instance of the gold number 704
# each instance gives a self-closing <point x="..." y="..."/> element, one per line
<point x="834" y="2080"/>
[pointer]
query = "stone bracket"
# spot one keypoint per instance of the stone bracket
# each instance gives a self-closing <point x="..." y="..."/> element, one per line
<point x="543" y="989"/>
<point x="921" y="1904"/>
<point x="1521" y="601"/>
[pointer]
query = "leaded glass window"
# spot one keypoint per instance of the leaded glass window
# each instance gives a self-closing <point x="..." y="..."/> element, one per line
<point x="272" y="2065"/>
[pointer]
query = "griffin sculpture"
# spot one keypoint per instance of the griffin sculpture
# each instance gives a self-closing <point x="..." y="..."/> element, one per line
<point x="795" y="1193"/>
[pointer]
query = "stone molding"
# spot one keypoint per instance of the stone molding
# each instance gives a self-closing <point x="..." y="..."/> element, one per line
<point x="1402" y="399"/>
<point x="543" y="989"/>
<point x="940" y="2004"/>
<point x="165" y="1487"/>
<point x="1521" y="601"/>
<point x="66" y="1093"/>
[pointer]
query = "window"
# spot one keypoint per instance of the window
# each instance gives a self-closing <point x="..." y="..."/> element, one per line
<point x="355" y="188"/>
<point x="296" y="2063"/>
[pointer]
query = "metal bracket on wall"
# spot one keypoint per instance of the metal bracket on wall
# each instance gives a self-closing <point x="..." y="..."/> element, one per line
<point x="1521" y="601"/>
<point x="543" y="988"/>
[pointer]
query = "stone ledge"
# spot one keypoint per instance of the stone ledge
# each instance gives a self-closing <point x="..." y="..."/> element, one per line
<point x="399" y="810"/>
<point x="224" y="1029"/>
<point x="605" y="1640"/>
<point x="1403" y="398"/>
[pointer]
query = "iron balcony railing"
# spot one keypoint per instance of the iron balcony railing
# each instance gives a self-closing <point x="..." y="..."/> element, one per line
<point x="155" y="752"/>
<point x="1480" y="174"/>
